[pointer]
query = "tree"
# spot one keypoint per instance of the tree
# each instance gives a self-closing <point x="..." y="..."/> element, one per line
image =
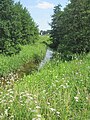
<point x="5" y="18"/>
<point x="71" y="27"/>
<point x="16" y="27"/>
<point x="55" y="25"/>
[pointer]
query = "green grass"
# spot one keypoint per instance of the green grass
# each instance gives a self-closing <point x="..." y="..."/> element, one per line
<point x="28" y="53"/>
<point x="59" y="91"/>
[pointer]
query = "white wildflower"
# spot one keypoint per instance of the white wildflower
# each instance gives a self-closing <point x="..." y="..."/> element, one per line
<point x="10" y="101"/>
<point x="31" y="98"/>
<point x="48" y="103"/>
<point x="6" y="112"/>
<point x="86" y="98"/>
<point x="39" y="116"/>
<point x="58" y="112"/>
<point x="44" y="91"/>
<point x="33" y="111"/>
<point x="52" y="109"/>
<point x="35" y="102"/>
<point x="76" y="98"/>
<point x="38" y="107"/>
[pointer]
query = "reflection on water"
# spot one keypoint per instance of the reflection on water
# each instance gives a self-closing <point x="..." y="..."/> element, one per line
<point x="47" y="57"/>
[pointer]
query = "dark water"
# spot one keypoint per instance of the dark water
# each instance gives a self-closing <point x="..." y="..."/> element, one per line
<point x="48" y="56"/>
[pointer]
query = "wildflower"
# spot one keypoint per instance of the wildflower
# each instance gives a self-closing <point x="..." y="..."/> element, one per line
<point x="86" y="98"/>
<point x="6" y="112"/>
<point x="8" y="82"/>
<point x="1" y="115"/>
<point x="11" y="92"/>
<point x="48" y="103"/>
<point x="57" y="81"/>
<point x="38" y="107"/>
<point x="63" y="86"/>
<point x="78" y="92"/>
<point x="35" y="102"/>
<point x="33" y="111"/>
<point x="12" y="117"/>
<point x="52" y="109"/>
<point x="67" y="85"/>
<point x="76" y="73"/>
<point x="30" y="109"/>
<point x="27" y="94"/>
<point x="11" y="96"/>
<point x="10" y="101"/>
<point x="39" y="116"/>
<point x="44" y="91"/>
<point x="58" y="112"/>
<point x="76" y="98"/>
<point x="34" y="95"/>
<point x="22" y="104"/>
<point x="31" y="98"/>
<point x="54" y="85"/>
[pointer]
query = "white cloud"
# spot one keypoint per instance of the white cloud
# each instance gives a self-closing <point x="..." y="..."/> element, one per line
<point x="45" y="5"/>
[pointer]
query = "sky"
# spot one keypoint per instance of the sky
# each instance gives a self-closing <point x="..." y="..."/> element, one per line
<point x="42" y="10"/>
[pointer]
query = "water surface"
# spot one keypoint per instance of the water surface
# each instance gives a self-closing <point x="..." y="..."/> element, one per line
<point x="47" y="57"/>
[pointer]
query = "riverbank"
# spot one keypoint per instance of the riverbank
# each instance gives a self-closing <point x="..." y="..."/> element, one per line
<point x="24" y="62"/>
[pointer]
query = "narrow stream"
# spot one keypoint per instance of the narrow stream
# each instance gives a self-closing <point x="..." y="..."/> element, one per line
<point x="26" y="69"/>
<point x="48" y="56"/>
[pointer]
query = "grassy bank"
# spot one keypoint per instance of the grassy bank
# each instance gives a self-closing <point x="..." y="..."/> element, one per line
<point x="28" y="53"/>
<point x="60" y="91"/>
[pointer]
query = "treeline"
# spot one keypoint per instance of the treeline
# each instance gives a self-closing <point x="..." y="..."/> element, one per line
<point x="71" y="27"/>
<point x="16" y="27"/>
<point x="45" y="32"/>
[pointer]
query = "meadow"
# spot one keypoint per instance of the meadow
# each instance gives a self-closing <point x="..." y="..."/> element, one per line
<point x="59" y="91"/>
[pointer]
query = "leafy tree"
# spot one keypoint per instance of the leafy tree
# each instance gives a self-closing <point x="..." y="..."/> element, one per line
<point x="76" y="36"/>
<point x="5" y="24"/>
<point x="71" y="27"/>
<point x="28" y="28"/>
<point x="16" y="27"/>
<point x="55" y="25"/>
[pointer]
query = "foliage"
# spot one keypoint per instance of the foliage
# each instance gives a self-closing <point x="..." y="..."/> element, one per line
<point x="71" y="27"/>
<point x="16" y="27"/>
<point x="61" y="92"/>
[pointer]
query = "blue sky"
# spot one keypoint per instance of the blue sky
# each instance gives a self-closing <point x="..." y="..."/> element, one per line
<point x="41" y="10"/>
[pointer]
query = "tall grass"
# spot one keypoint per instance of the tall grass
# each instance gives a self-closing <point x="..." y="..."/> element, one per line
<point x="28" y="53"/>
<point x="59" y="91"/>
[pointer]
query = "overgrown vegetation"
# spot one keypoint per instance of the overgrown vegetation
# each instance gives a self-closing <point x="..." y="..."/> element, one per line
<point x="71" y="28"/>
<point x="28" y="53"/>
<point x="16" y="27"/>
<point x="61" y="92"/>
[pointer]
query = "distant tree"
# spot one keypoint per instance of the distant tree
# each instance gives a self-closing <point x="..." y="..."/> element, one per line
<point x="45" y="32"/>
